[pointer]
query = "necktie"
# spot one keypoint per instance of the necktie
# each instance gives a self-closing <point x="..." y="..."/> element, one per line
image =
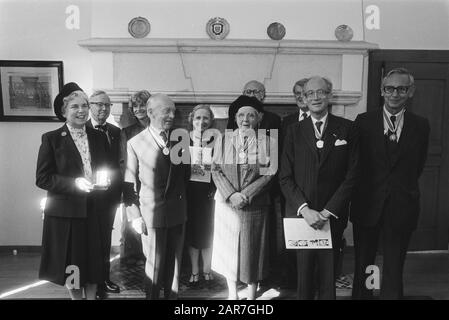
<point x="103" y="128"/>
<point x="392" y="135"/>
<point x="393" y="121"/>
<point x="244" y="151"/>
<point x="163" y="134"/>
<point x="318" y="125"/>
<point x="245" y="142"/>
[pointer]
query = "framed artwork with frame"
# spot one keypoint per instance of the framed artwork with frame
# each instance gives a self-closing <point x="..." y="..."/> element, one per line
<point x="28" y="89"/>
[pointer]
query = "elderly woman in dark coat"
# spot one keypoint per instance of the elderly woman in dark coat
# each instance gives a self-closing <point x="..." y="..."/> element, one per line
<point x="67" y="165"/>
<point x="242" y="175"/>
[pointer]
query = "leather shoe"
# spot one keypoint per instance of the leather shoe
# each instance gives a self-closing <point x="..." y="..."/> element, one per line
<point x="101" y="294"/>
<point x="111" y="287"/>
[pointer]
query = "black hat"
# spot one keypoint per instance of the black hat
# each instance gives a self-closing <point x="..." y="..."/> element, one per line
<point x="67" y="89"/>
<point x="242" y="101"/>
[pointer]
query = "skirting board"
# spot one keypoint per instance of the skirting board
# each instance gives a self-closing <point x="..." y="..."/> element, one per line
<point x="37" y="249"/>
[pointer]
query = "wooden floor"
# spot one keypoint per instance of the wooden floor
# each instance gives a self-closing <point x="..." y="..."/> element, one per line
<point x="426" y="276"/>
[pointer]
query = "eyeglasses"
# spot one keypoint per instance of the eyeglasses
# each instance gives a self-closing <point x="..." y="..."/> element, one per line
<point x="255" y="91"/>
<point x="400" y="90"/>
<point x="101" y="104"/>
<point x="319" y="93"/>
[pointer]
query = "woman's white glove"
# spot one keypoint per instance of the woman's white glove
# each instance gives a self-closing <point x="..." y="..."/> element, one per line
<point x="84" y="185"/>
<point x="139" y="226"/>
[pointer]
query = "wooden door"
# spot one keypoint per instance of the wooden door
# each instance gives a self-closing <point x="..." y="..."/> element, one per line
<point x="431" y="100"/>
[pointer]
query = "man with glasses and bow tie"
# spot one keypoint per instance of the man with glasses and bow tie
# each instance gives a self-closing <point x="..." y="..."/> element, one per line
<point x="158" y="210"/>
<point x="393" y="150"/>
<point x="100" y="109"/>
<point x="318" y="172"/>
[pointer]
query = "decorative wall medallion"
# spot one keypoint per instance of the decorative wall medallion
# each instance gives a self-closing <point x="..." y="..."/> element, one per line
<point x="344" y="33"/>
<point x="217" y="28"/>
<point x="276" y="31"/>
<point x="139" y="27"/>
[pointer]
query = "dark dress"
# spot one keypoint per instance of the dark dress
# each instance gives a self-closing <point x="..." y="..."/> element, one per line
<point x="72" y="242"/>
<point x="71" y="228"/>
<point x="200" y="213"/>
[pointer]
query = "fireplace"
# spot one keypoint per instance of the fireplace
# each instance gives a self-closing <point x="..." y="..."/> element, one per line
<point x="194" y="71"/>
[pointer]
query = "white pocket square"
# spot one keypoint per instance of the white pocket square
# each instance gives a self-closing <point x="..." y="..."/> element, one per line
<point x="339" y="142"/>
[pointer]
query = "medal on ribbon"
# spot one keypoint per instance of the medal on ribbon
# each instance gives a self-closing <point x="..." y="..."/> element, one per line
<point x="244" y="147"/>
<point x="319" y="136"/>
<point x="393" y="128"/>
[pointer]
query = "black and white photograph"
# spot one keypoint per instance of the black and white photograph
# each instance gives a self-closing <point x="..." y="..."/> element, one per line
<point x="28" y="89"/>
<point x="224" y="151"/>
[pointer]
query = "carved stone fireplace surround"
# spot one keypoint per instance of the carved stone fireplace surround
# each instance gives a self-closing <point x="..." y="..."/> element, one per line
<point x="194" y="71"/>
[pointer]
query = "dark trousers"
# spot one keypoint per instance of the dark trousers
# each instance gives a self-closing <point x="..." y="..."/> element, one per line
<point x="106" y="225"/>
<point x="315" y="273"/>
<point x="290" y="274"/>
<point x="163" y="252"/>
<point x="395" y="243"/>
<point x="318" y="268"/>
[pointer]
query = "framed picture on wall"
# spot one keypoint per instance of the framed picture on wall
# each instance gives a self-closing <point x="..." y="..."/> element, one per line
<point x="28" y="89"/>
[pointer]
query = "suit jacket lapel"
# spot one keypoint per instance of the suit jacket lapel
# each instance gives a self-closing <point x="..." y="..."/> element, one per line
<point x="156" y="148"/>
<point x="329" y="137"/>
<point x="306" y="128"/>
<point x="171" y="167"/>
<point x="110" y="135"/>
<point x="379" y="140"/>
<point x="406" y="136"/>
<point x="89" y="124"/>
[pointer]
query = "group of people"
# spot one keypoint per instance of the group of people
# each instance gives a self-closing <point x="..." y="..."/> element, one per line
<point x="325" y="169"/>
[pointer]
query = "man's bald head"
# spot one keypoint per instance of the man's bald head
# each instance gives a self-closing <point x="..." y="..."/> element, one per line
<point x="318" y="91"/>
<point x="254" y="88"/>
<point x="161" y="111"/>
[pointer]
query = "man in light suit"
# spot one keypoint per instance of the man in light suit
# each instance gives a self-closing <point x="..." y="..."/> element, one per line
<point x="100" y="109"/>
<point x="318" y="172"/>
<point x="158" y="211"/>
<point x="393" y="150"/>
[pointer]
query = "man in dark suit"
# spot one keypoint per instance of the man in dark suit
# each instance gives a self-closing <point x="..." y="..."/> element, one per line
<point x="303" y="110"/>
<point x="318" y="172"/>
<point x="100" y="109"/>
<point x="393" y="150"/>
<point x="159" y="210"/>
